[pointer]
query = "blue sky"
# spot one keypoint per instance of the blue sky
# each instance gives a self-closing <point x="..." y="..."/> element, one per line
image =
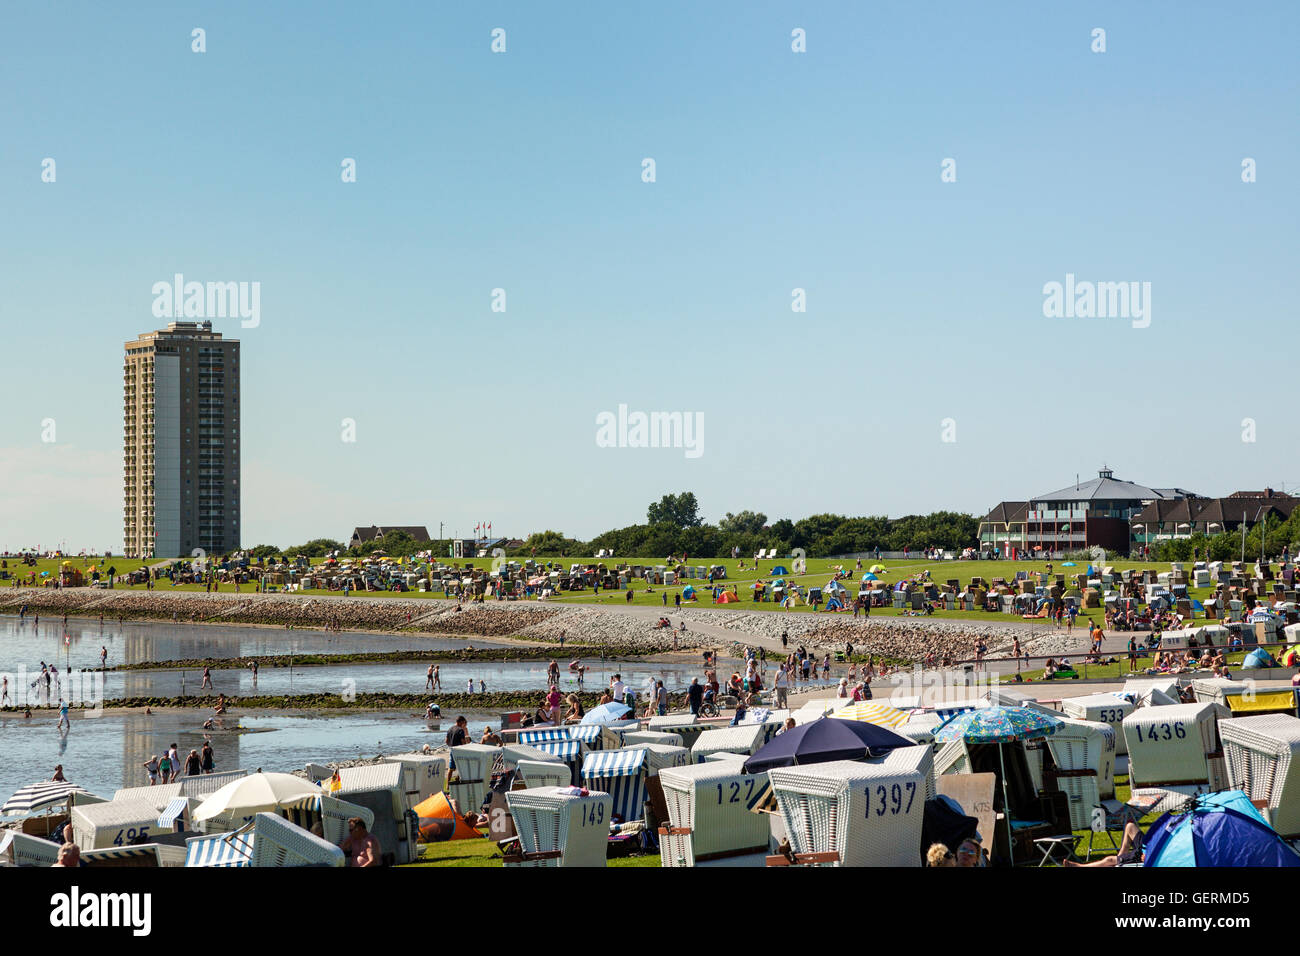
<point x="775" y="171"/>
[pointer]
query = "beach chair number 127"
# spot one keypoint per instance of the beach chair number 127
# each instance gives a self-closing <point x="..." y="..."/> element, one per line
<point x="891" y="800"/>
<point x="734" y="787"/>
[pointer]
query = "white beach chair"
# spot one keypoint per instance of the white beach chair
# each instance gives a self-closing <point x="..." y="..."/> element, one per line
<point x="709" y="814"/>
<point x="661" y="756"/>
<point x="1084" y="752"/>
<point x="423" y="775"/>
<point x="115" y="823"/>
<point x="221" y="849"/>
<point x="1104" y="709"/>
<point x="511" y="754"/>
<point x="684" y="726"/>
<point x="543" y="773"/>
<point x="568" y="752"/>
<point x="1259" y="752"/>
<point x="473" y="766"/>
<point x="558" y="828"/>
<point x="919" y="759"/>
<point x="277" y="842"/>
<point x="382" y="788"/>
<point x="850" y="813"/>
<point x="742" y="739"/>
<point x="652" y="737"/>
<point x="23" y="849"/>
<point x="1169" y="745"/>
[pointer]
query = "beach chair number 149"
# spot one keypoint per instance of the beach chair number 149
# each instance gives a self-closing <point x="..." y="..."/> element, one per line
<point x="1161" y="732"/>
<point x="891" y="799"/>
<point x="593" y="814"/>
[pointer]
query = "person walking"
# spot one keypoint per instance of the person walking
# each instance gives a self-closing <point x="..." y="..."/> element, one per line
<point x="207" y="679"/>
<point x="103" y="652"/>
<point x="428" y="678"/>
<point x="209" y="758"/>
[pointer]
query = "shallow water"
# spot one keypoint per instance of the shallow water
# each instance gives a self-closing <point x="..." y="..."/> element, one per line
<point x="134" y="642"/>
<point x="105" y="753"/>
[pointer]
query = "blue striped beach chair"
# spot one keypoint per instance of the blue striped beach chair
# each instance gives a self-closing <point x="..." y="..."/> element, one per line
<point x="621" y="774"/>
<point x="220" y="849"/>
<point x="568" y="752"/>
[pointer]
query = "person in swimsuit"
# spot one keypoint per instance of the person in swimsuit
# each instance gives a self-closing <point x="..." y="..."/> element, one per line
<point x="1130" y="850"/>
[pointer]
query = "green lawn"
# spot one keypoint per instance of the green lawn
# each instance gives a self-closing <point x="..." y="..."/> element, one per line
<point x="820" y="570"/>
<point x="485" y="853"/>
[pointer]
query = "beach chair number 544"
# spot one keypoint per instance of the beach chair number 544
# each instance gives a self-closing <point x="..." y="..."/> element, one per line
<point x="734" y="792"/>
<point x="891" y="799"/>
<point x="1162" y="732"/>
<point x="593" y="814"/>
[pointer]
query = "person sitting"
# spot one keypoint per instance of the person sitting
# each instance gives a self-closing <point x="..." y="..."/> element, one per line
<point x="742" y="708"/>
<point x="359" y="846"/>
<point x="575" y="711"/>
<point x="1130" y="850"/>
<point x="490" y="738"/>
<point x="1049" y="669"/>
<point x="939" y="855"/>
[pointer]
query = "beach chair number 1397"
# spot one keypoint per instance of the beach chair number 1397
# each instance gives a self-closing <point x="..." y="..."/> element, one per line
<point x="1162" y="731"/>
<point x="891" y="799"/>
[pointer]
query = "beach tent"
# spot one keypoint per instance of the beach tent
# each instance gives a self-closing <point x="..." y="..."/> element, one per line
<point x="439" y="823"/>
<point x="870" y="577"/>
<point x="688" y="593"/>
<point x="1258" y="658"/>
<point x="834" y="587"/>
<point x="779" y="569"/>
<point x="1219" y="829"/>
<point x="834" y="604"/>
<point x="726" y="597"/>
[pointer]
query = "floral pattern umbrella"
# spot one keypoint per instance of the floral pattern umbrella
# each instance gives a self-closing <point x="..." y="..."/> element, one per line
<point x="998" y="725"/>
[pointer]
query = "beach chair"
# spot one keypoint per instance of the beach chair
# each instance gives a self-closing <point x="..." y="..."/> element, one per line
<point x="545" y="735"/>
<point x="543" y="773"/>
<point x="330" y="812"/>
<point x="473" y="764"/>
<point x="1259" y="752"/>
<point x="742" y="739"/>
<point x="221" y="849"/>
<point x="511" y="754"/>
<point x="316" y="772"/>
<point x="621" y="774"/>
<point x="1101" y="708"/>
<point x="23" y="849"/>
<point x="423" y="775"/>
<point x="277" y="842"/>
<point x="683" y="725"/>
<point x="652" y="737"/>
<point x="1169" y="745"/>
<point x="1084" y="754"/>
<point x="709" y="816"/>
<point x="568" y="752"/>
<point x="920" y="727"/>
<point x="661" y="756"/>
<point x="146" y="855"/>
<point x="558" y="827"/>
<point x="919" y="759"/>
<point x="848" y="813"/>
<point x="115" y="823"/>
<point x="592" y="735"/>
<point x="382" y="788"/>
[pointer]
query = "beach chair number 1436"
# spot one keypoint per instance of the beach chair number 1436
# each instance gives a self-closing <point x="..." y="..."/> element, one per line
<point x="1161" y="732"/>
<point x="891" y="800"/>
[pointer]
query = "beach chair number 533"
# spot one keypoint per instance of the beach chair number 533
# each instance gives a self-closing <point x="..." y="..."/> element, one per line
<point x="593" y="814"/>
<point x="891" y="799"/>
<point x="734" y="792"/>
<point x="1162" y="732"/>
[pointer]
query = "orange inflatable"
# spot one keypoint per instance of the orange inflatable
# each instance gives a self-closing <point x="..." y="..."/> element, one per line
<point x="439" y="823"/>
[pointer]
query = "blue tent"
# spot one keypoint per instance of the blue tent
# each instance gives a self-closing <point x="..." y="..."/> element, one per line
<point x="1220" y="829"/>
<point x="870" y="577"/>
<point x="1258" y="658"/>
<point x="780" y="569"/>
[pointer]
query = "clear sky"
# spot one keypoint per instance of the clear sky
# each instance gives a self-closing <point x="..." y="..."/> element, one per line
<point x="775" y="170"/>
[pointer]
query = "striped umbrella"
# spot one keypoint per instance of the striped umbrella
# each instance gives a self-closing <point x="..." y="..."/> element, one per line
<point x="882" y="715"/>
<point x="38" y="796"/>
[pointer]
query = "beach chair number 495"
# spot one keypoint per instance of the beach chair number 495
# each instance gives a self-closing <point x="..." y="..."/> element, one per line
<point x="593" y="814"/>
<point x="734" y="792"/>
<point x="1162" y="732"/>
<point x="131" y="835"/>
<point x="891" y="800"/>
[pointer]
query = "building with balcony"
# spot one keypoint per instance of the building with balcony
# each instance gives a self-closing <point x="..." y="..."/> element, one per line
<point x="180" y="442"/>
<point x="1092" y="513"/>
